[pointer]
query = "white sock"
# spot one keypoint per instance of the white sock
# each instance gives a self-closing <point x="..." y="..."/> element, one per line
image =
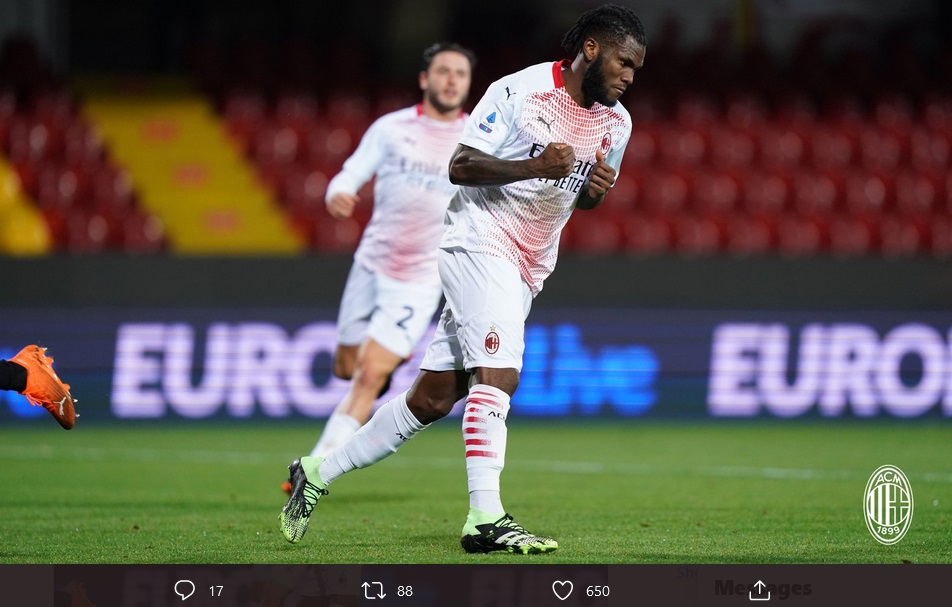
<point x="392" y="425"/>
<point x="339" y="428"/>
<point x="484" y="435"/>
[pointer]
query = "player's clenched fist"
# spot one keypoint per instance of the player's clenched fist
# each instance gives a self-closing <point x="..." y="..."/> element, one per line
<point x="555" y="161"/>
<point x="341" y="206"/>
<point x="601" y="177"/>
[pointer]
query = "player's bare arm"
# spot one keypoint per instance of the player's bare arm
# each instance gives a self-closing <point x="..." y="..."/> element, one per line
<point x="341" y="205"/>
<point x="471" y="167"/>
<point x="600" y="179"/>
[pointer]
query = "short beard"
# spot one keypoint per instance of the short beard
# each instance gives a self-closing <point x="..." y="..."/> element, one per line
<point x="441" y="107"/>
<point x="593" y="84"/>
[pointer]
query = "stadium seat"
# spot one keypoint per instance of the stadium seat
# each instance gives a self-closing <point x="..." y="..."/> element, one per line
<point x="816" y="193"/>
<point x="917" y="193"/>
<point x="930" y="149"/>
<point x="902" y="236"/>
<point x="647" y="235"/>
<point x="594" y="233"/>
<point x="765" y="194"/>
<point x="867" y="194"/>
<point x="731" y="148"/>
<point x="781" y="146"/>
<point x="142" y="233"/>
<point x="666" y="193"/>
<point x="697" y="235"/>
<point x="799" y="236"/>
<point x="275" y="143"/>
<point x="715" y="193"/>
<point x="850" y="236"/>
<point x="745" y="235"/>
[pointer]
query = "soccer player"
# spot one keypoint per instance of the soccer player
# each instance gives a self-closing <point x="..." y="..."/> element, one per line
<point x="393" y="288"/>
<point x="31" y="374"/>
<point x="540" y="143"/>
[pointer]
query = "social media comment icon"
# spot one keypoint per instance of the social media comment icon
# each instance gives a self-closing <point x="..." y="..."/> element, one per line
<point x="184" y="588"/>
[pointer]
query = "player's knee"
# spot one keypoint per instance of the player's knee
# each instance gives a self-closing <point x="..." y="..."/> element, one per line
<point x="372" y="374"/>
<point x="426" y="408"/>
<point x="344" y="363"/>
<point x="506" y="380"/>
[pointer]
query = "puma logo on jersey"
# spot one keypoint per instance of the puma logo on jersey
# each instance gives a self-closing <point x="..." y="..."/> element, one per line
<point x="508" y="94"/>
<point x="548" y="124"/>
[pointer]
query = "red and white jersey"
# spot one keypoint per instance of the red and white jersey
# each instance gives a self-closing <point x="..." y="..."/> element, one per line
<point x="517" y="117"/>
<point x="409" y="153"/>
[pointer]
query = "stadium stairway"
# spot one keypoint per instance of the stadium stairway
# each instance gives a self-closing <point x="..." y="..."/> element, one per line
<point x="23" y="231"/>
<point x="188" y="173"/>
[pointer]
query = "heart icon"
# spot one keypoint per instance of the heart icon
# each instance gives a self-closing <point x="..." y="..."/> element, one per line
<point x="562" y="590"/>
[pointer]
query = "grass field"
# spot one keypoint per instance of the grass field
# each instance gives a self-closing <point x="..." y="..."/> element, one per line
<point x="610" y="493"/>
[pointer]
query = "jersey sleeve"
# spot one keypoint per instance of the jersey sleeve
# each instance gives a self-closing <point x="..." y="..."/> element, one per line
<point x="492" y="120"/>
<point x="617" y="152"/>
<point x="362" y="164"/>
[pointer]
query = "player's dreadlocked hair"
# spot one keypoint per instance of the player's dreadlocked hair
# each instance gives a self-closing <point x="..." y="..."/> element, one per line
<point x="609" y="24"/>
<point x="434" y="49"/>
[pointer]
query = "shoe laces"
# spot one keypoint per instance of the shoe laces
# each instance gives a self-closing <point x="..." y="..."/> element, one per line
<point x="310" y="494"/>
<point x="523" y="536"/>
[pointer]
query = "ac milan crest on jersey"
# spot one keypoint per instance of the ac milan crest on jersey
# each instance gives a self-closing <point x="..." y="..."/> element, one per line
<point x="606" y="143"/>
<point x="492" y="341"/>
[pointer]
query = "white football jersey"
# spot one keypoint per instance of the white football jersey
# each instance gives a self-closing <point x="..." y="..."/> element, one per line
<point x="517" y="117"/>
<point x="409" y="153"/>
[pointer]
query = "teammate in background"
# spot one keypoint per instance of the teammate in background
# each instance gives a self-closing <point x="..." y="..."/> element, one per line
<point x="393" y="288"/>
<point x="540" y="143"/>
<point x="31" y="374"/>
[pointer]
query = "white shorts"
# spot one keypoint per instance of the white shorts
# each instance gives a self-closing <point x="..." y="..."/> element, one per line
<point x="393" y="313"/>
<point x="484" y="319"/>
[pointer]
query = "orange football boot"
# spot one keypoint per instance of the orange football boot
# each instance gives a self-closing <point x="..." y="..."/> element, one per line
<point x="44" y="388"/>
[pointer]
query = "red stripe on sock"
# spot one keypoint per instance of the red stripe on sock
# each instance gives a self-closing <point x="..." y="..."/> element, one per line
<point x="473" y="398"/>
<point x="478" y="420"/>
<point x="488" y="454"/>
<point x="478" y="441"/>
<point x="475" y="431"/>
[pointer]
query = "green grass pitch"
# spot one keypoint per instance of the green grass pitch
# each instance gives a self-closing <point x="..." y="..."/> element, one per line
<point x="611" y="493"/>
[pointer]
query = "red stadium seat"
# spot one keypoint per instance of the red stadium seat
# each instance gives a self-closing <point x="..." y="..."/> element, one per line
<point x="850" y="236"/>
<point x="142" y="233"/>
<point x="88" y="232"/>
<point x="304" y="189"/>
<point x="696" y="235"/>
<point x="746" y="235"/>
<point x="666" y="193"/>
<point x="594" y="233"/>
<point x="816" y="193"/>
<point x="831" y="148"/>
<point x="276" y="144"/>
<point x="930" y="149"/>
<point x="902" y="236"/>
<point x="880" y="149"/>
<point x="940" y="238"/>
<point x="731" y="148"/>
<point x="917" y="193"/>
<point x="682" y="146"/>
<point x="715" y="193"/>
<point x="647" y="235"/>
<point x="867" y="194"/>
<point x="765" y="194"/>
<point x="781" y="147"/>
<point x="799" y="236"/>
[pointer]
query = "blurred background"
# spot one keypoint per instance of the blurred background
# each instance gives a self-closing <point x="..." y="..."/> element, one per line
<point x="163" y="167"/>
